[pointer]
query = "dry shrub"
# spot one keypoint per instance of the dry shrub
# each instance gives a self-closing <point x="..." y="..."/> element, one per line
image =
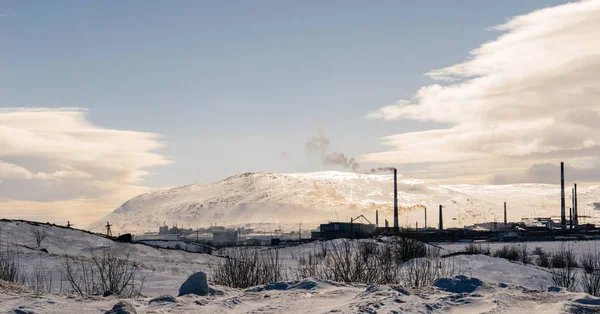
<point x="247" y="267"/>
<point x="108" y="270"/>
<point x="563" y="268"/>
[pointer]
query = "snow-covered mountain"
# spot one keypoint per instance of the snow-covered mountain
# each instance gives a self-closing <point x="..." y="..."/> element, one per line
<point x="268" y="200"/>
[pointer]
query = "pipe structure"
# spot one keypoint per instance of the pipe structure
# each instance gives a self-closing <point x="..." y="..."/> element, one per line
<point x="563" y="218"/>
<point x="396" y="229"/>
<point x="575" y="209"/>
<point x="441" y="227"/>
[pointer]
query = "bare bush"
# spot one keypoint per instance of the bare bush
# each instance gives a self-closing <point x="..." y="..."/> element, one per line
<point x="38" y="234"/>
<point x="246" y="267"/>
<point x="41" y="279"/>
<point x="108" y="270"/>
<point x="510" y="252"/>
<point x="524" y="256"/>
<point x="308" y="265"/>
<point x="564" y="268"/>
<point x="590" y="277"/>
<point x="396" y="260"/>
<point x="474" y="248"/>
<point x="543" y="258"/>
<point x="405" y="249"/>
<point x="423" y="272"/>
<point x="10" y="267"/>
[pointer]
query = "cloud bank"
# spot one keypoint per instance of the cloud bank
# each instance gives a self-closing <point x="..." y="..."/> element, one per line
<point x="54" y="163"/>
<point x="527" y="99"/>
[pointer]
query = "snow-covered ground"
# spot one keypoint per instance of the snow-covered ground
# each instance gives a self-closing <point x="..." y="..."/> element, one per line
<point x="319" y="296"/>
<point x="505" y="287"/>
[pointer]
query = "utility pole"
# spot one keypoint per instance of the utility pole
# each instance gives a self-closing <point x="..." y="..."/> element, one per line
<point x="108" y="231"/>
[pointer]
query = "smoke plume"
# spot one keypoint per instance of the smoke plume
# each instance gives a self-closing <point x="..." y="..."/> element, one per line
<point x="380" y="169"/>
<point x="320" y="144"/>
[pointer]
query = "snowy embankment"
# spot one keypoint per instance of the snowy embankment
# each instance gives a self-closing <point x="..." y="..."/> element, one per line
<point x="164" y="270"/>
<point x="505" y="286"/>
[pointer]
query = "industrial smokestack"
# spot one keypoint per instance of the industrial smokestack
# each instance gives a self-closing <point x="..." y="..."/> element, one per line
<point x="395" y="200"/>
<point x="441" y="219"/>
<point x="563" y="218"/>
<point x="572" y="220"/>
<point x="571" y="217"/>
<point x="376" y="218"/>
<point x="425" y="210"/>
<point x="575" y="210"/>
<point x="505" y="222"/>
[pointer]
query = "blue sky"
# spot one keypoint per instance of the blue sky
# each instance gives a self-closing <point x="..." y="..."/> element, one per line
<point x="238" y="86"/>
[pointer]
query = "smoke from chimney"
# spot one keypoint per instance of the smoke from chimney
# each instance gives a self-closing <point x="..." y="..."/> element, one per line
<point x="320" y="144"/>
<point x="380" y="169"/>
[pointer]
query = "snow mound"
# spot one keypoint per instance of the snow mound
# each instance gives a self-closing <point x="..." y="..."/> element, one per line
<point x="305" y="284"/>
<point x="458" y="284"/>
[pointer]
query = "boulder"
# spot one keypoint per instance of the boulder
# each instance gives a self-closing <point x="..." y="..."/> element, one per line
<point x="122" y="308"/>
<point x="458" y="284"/>
<point x="126" y="238"/>
<point x="163" y="299"/>
<point x="107" y="293"/>
<point x="195" y="284"/>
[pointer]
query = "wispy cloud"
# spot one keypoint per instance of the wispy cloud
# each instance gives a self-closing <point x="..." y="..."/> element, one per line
<point x="528" y="97"/>
<point x="56" y="156"/>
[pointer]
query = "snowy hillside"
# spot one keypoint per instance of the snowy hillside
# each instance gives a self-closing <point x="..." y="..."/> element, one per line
<point x="268" y="200"/>
<point x="290" y="199"/>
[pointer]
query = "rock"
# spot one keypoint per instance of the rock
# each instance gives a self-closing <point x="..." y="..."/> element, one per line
<point x="126" y="238"/>
<point x="19" y="311"/>
<point x="458" y="284"/>
<point x="555" y="289"/>
<point x="107" y="293"/>
<point x="122" y="308"/>
<point x="195" y="284"/>
<point x="163" y="299"/>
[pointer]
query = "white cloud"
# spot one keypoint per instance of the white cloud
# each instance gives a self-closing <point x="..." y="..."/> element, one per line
<point x="56" y="156"/>
<point x="529" y="97"/>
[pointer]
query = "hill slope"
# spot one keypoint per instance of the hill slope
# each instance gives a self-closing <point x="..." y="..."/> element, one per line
<point x="289" y="199"/>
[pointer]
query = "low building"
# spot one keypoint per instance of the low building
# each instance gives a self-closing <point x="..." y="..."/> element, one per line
<point x="225" y="237"/>
<point x="334" y="230"/>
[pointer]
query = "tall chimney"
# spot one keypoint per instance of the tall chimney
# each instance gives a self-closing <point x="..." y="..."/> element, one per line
<point x="395" y="201"/>
<point x="571" y="217"/>
<point x="376" y="218"/>
<point x="441" y="227"/>
<point x="575" y="210"/>
<point x="572" y="206"/>
<point x="505" y="222"/>
<point x="425" y="211"/>
<point x="563" y="218"/>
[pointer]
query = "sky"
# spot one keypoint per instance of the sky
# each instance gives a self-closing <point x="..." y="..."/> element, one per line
<point x="103" y="100"/>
